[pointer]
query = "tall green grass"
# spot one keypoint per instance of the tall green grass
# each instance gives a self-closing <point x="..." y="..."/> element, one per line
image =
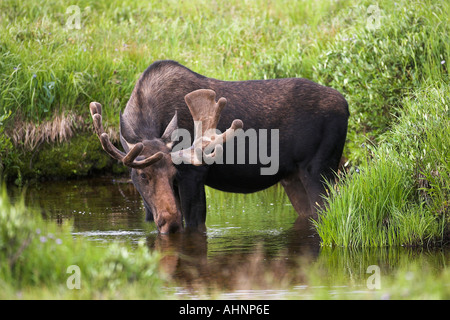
<point x="395" y="78"/>
<point x="401" y="195"/>
<point x="48" y="68"/>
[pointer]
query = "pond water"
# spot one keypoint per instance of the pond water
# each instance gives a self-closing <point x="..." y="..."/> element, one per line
<point x="255" y="245"/>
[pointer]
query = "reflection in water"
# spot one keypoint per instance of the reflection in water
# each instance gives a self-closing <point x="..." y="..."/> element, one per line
<point x="264" y="262"/>
<point x="100" y="209"/>
<point x="252" y="241"/>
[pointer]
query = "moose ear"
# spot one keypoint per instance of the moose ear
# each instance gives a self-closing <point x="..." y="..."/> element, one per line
<point x="171" y="127"/>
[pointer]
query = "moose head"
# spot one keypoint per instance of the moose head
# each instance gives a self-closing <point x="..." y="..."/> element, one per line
<point x="153" y="169"/>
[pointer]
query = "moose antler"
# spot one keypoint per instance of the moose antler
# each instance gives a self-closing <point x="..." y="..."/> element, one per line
<point x="206" y="114"/>
<point x="127" y="159"/>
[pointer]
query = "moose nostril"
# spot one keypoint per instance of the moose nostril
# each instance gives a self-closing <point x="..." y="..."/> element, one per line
<point x="168" y="227"/>
<point x="174" y="227"/>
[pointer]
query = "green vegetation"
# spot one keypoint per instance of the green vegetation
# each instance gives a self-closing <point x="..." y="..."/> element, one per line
<point x="36" y="256"/>
<point x="399" y="193"/>
<point x="375" y="68"/>
<point x="50" y="69"/>
<point x="401" y="196"/>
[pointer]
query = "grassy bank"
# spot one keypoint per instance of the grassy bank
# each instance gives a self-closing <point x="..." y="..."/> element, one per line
<point x="398" y="193"/>
<point x="52" y="67"/>
<point x="50" y="71"/>
<point x="400" y="196"/>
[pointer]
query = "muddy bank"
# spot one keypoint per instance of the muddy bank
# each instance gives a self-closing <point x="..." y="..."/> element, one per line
<point x="81" y="156"/>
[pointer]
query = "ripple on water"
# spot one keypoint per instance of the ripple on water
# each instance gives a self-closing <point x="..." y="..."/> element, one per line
<point x="107" y="235"/>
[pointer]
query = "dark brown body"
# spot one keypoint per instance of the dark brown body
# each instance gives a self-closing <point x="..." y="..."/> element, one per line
<point x="312" y="123"/>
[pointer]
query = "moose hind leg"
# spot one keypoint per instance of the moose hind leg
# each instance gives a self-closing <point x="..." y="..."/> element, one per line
<point x="315" y="189"/>
<point x="297" y="194"/>
<point x="315" y="176"/>
<point x="321" y="168"/>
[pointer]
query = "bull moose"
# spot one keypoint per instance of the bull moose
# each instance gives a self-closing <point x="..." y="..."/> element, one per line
<point x="310" y="119"/>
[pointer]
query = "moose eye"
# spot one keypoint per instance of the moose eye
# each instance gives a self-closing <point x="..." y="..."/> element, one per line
<point x="143" y="176"/>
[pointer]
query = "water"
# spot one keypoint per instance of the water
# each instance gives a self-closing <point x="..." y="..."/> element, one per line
<point x="255" y="245"/>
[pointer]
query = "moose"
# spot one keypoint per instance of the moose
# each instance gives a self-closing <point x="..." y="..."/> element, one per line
<point x="311" y="121"/>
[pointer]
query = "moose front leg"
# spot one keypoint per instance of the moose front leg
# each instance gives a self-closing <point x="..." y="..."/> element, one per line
<point x="191" y="188"/>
